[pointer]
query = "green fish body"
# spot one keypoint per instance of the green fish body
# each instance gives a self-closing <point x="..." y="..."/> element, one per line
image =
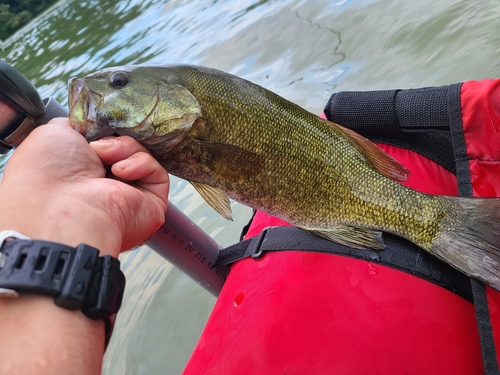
<point x="232" y="138"/>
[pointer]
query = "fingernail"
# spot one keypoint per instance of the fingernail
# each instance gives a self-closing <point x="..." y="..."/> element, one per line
<point x="105" y="142"/>
<point x="122" y="164"/>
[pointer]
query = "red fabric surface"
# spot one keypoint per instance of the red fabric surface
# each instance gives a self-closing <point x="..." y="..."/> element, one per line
<point x="311" y="313"/>
<point x="481" y="125"/>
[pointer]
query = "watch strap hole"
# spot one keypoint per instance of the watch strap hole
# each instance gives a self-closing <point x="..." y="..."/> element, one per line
<point x="60" y="265"/>
<point x="21" y="260"/>
<point x="40" y="262"/>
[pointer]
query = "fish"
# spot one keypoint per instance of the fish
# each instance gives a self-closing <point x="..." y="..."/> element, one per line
<point x="233" y="139"/>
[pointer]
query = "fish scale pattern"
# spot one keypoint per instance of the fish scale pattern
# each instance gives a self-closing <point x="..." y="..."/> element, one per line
<point x="312" y="175"/>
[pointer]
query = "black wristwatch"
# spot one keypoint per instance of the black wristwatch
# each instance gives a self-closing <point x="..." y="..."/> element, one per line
<point x="77" y="278"/>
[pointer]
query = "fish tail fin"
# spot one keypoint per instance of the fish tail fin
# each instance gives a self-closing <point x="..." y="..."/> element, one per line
<point x="470" y="240"/>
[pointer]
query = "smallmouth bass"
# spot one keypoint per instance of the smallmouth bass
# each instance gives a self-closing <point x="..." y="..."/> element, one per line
<point x="231" y="138"/>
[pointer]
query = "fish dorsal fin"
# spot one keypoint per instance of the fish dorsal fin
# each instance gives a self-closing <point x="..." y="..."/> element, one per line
<point x="356" y="237"/>
<point x="381" y="161"/>
<point x="215" y="198"/>
<point x="230" y="162"/>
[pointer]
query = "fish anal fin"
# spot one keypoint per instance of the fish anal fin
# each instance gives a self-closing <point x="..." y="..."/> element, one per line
<point x="215" y="198"/>
<point x="232" y="163"/>
<point x="355" y="237"/>
<point x="381" y="161"/>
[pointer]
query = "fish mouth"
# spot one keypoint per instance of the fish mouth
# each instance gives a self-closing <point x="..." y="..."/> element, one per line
<point x="82" y="111"/>
<point x="79" y="103"/>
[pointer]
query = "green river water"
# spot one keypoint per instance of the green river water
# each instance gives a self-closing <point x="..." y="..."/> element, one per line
<point x="302" y="50"/>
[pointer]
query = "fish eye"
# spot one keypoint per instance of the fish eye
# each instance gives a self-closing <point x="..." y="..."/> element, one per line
<point x="118" y="80"/>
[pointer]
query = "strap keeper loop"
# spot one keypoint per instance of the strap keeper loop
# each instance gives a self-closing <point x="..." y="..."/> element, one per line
<point x="254" y="248"/>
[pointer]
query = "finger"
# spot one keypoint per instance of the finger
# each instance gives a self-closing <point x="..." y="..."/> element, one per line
<point x="139" y="166"/>
<point x="146" y="172"/>
<point x="113" y="149"/>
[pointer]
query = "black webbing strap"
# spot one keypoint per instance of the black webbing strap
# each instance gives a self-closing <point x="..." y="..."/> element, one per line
<point x="488" y="349"/>
<point x="398" y="253"/>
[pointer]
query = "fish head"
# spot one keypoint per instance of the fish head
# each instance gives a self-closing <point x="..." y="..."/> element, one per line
<point x="148" y="104"/>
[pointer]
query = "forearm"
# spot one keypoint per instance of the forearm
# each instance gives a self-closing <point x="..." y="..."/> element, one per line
<point x="37" y="336"/>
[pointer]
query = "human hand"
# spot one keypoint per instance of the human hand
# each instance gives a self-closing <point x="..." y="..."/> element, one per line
<point x="55" y="188"/>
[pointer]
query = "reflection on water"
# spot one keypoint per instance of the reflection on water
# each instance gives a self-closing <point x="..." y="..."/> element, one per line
<point x="80" y="37"/>
<point x="302" y="50"/>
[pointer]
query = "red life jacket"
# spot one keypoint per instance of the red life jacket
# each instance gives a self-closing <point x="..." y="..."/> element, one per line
<point x="310" y="312"/>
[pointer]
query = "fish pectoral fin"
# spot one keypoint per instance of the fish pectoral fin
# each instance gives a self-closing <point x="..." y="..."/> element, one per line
<point x="381" y="161"/>
<point x="233" y="163"/>
<point x="356" y="237"/>
<point x="215" y="198"/>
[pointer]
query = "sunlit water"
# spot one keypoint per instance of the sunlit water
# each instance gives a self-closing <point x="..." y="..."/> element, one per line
<point x="302" y="50"/>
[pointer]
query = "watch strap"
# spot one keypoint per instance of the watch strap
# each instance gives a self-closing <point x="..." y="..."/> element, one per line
<point x="77" y="278"/>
